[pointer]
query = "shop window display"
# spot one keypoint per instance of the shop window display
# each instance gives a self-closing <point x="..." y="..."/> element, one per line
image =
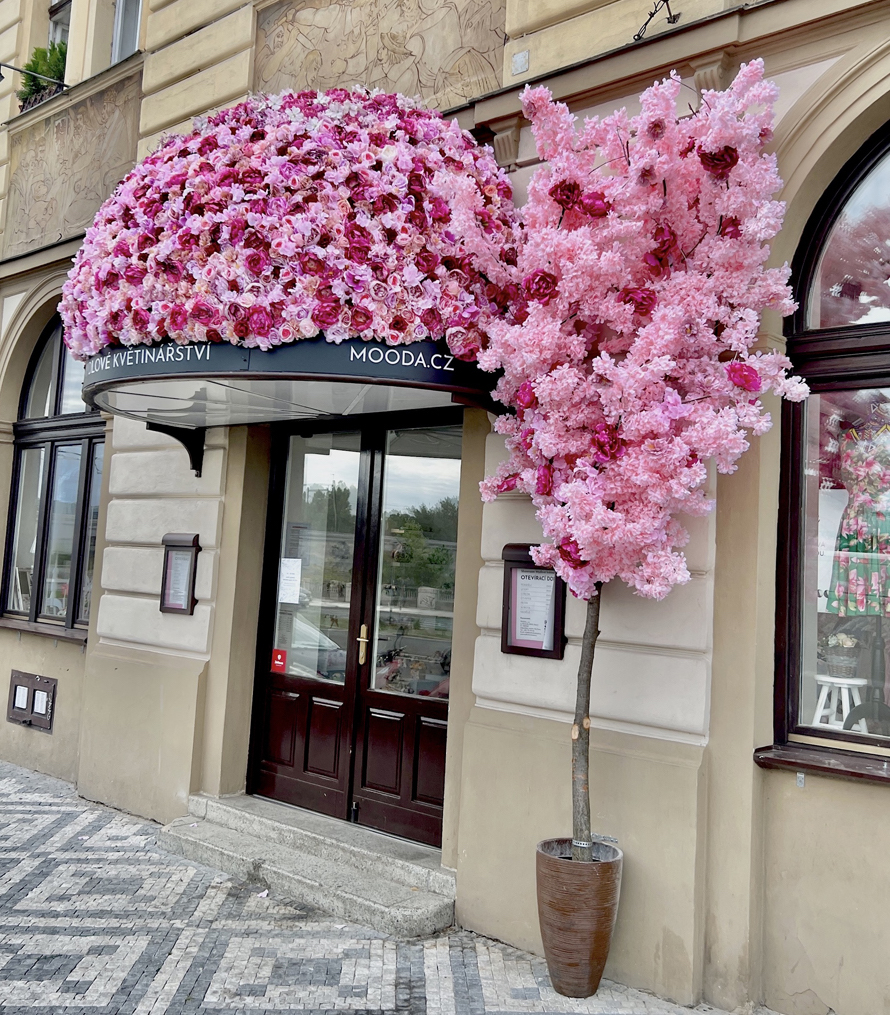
<point x="846" y="607"/>
<point x="833" y="675"/>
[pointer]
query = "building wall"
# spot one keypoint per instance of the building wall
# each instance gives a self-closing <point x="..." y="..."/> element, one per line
<point x="169" y="695"/>
<point x="739" y="912"/>
<point x="730" y="894"/>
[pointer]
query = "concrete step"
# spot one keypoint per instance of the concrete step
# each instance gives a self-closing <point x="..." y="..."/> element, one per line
<point x="342" y="876"/>
<point x="406" y="863"/>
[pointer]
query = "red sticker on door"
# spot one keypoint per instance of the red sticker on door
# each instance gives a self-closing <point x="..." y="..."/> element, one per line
<point x="279" y="660"/>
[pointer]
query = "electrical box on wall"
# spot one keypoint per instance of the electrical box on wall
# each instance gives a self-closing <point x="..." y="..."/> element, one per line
<point x="32" y="700"/>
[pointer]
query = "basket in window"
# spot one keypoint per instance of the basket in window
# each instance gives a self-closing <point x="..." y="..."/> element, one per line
<point x="842" y="655"/>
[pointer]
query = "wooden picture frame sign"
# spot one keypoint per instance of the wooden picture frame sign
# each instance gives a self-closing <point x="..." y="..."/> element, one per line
<point x="533" y="619"/>
<point x="181" y="551"/>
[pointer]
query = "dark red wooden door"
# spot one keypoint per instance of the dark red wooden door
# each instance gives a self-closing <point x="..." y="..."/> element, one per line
<point x="351" y="706"/>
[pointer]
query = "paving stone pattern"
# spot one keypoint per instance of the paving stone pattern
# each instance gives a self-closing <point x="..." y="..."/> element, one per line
<point x="95" y="919"/>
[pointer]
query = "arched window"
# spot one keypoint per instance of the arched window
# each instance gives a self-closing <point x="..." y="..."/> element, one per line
<point x="54" y="502"/>
<point x="833" y="629"/>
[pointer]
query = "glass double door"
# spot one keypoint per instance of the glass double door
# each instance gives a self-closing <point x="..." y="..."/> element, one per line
<point x="356" y="629"/>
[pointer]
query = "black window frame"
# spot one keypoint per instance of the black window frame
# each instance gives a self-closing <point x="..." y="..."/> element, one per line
<point x="829" y="359"/>
<point x="86" y="429"/>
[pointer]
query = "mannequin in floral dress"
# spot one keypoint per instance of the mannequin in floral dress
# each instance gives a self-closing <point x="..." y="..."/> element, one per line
<point x="860" y="580"/>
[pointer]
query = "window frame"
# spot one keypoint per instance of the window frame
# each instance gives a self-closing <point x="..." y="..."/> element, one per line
<point x="55" y="10"/>
<point x="829" y="359"/>
<point x="86" y="429"/>
<point x="117" y="30"/>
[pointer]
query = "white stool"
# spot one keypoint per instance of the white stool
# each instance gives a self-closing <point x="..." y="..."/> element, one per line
<point x="834" y="692"/>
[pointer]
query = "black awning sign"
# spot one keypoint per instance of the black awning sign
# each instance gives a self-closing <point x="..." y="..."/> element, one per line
<point x="421" y="364"/>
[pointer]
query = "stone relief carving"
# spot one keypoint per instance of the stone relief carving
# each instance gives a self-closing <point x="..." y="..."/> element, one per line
<point x="445" y="52"/>
<point x="63" y="167"/>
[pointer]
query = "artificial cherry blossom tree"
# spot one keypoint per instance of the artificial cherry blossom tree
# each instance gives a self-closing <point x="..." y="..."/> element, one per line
<point x="627" y="358"/>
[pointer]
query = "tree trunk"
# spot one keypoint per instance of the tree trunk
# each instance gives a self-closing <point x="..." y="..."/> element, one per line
<point x="582" y="846"/>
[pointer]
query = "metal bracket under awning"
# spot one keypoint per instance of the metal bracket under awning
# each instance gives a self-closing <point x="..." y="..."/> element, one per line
<point x="191" y="439"/>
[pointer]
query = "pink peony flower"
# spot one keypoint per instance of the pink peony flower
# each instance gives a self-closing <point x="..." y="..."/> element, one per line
<point x="744" y="376"/>
<point x="256" y="261"/>
<point x="720" y="163"/>
<point x="525" y="397"/>
<point x="427" y="261"/>
<point x="203" y="313"/>
<point x="432" y="320"/>
<point x="571" y="553"/>
<point x="606" y="444"/>
<point x="541" y="286"/>
<point x="594" y="204"/>
<point x="177" y="319"/>
<point x="544" y="481"/>
<point x="463" y="342"/>
<point x="566" y="193"/>
<point x="325" y="314"/>
<point x="360" y="319"/>
<point x="259" y="320"/>
<point x="141" y="320"/>
<point x="643" y="301"/>
<point x="135" y="273"/>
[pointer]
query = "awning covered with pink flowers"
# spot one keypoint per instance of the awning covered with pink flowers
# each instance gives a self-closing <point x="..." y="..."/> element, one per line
<point x="297" y="255"/>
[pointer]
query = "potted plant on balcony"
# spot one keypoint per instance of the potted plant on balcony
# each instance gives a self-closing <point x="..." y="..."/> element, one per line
<point x="47" y="63"/>
<point x="628" y="367"/>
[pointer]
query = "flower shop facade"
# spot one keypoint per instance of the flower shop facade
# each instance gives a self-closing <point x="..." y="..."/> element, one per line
<point x="718" y="762"/>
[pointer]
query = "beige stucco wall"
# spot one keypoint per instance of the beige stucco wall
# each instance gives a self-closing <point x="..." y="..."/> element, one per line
<point x="647" y="792"/>
<point x="54" y="753"/>
<point x="648" y="777"/>
<point x="168" y="696"/>
<point x="826" y="885"/>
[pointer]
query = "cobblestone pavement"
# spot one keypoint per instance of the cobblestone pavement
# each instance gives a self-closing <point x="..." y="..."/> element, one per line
<point x="95" y="919"/>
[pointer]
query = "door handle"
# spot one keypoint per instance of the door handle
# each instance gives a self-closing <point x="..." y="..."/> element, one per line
<point x="362" y="645"/>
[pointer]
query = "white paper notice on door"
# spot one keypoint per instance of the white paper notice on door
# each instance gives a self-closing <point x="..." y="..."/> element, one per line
<point x="289" y="580"/>
<point x="533" y="608"/>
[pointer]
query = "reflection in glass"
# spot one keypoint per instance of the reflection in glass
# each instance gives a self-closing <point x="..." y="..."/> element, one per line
<point x="72" y="383"/>
<point x="91" y="528"/>
<point x="40" y="395"/>
<point x="60" y="534"/>
<point x="846" y="602"/>
<point x="317" y="548"/>
<point x="415" y="583"/>
<point x="24" y="544"/>
<point x="852" y="280"/>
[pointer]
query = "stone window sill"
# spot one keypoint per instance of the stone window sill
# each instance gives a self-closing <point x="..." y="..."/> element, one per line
<point x="824" y="761"/>
<point x="47" y="630"/>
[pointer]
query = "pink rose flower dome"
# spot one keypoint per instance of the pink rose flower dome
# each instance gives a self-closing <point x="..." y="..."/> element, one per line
<point x="352" y="213"/>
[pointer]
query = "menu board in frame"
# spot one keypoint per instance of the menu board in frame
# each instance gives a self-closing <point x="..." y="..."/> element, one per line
<point x="180" y="564"/>
<point x="533" y="620"/>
